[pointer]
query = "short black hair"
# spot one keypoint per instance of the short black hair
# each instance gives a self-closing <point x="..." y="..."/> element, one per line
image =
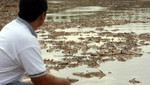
<point x="29" y="10"/>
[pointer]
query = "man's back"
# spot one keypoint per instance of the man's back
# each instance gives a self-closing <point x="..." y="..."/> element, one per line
<point x="14" y="38"/>
<point x="20" y="51"/>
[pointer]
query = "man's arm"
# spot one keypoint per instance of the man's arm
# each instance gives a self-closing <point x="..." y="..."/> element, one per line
<point x="48" y="79"/>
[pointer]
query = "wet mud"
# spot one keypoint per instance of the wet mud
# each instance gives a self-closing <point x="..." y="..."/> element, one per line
<point x="82" y="40"/>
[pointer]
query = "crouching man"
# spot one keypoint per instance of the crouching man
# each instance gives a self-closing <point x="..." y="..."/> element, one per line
<point x="20" y="51"/>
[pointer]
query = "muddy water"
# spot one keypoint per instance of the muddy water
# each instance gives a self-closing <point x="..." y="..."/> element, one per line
<point x="121" y="72"/>
<point x="137" y="28"/>
<point x="119" y="68"/>
<point x="74" y="14"/>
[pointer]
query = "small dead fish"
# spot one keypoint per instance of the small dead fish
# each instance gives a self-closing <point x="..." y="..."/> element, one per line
<point x="133" y="81"/>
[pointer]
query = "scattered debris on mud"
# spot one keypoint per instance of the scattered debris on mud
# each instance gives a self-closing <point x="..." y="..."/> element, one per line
<point x="99" y="74"/>
<point x="134" y="81"/>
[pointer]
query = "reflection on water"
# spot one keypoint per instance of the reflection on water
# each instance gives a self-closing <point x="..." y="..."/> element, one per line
<point x="130" y="12"/>
<point x="140" y="14"/>
<point x="65" y="17"/>
<point x="55" y="2"/>
<point x="75" y="13"/>
<point x="86" y="9"/>
<point x="137" y="28"/>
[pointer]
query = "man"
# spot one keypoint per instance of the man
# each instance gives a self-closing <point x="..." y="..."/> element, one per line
<point x="20" y="50"/>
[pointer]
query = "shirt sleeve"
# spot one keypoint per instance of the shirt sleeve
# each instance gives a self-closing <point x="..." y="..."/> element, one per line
<point x="32" y="62"/>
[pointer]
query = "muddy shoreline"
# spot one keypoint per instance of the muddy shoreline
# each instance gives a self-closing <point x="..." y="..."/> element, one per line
<point x="85" y="43"/>
<point x="9" y="9"/>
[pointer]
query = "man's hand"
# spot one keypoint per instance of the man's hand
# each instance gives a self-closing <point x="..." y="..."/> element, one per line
<point x="49" y="79"/>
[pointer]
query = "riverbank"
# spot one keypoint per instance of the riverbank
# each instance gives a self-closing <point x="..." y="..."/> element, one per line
<point x="97" y="41"/>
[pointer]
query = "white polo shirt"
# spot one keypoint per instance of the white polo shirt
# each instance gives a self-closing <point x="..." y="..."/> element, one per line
<point x="19" y="52"/>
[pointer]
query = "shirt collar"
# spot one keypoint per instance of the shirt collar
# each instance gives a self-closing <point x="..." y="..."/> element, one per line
<point x="28" y="26"/>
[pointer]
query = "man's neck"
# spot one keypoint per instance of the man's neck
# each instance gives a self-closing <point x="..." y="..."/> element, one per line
<point x="33" y="25"/>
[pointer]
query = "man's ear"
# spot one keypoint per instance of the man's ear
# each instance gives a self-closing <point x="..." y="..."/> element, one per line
<point x="40" y="19"/>
<point x="42" y="16"/>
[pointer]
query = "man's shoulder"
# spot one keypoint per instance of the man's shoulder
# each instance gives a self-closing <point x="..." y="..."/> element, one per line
<point x="18" y="33"/>
<point x="13" y="23"/>
<point x="18" y="29"/>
